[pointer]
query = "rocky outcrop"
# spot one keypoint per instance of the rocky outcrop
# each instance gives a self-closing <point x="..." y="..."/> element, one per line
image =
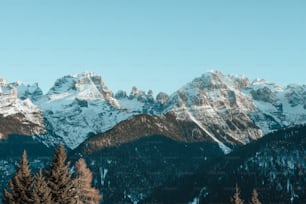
<point x="162" y="98"/>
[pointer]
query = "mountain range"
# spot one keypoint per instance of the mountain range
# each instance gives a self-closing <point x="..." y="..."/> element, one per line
<point x="138" y="142"/>
<point x="229" y="110"/>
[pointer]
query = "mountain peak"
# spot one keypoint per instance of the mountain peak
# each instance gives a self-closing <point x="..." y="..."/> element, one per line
<point x="85" y="74"/>
<point x="214" y="79"/>
<point x="87" y="85"/>
<point x="259" y="81"/>
<point x="32" y="92"/>
<point x="3" y="82"/>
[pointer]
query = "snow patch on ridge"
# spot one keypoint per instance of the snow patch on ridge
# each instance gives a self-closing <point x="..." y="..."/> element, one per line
<point x="224" y="148"/>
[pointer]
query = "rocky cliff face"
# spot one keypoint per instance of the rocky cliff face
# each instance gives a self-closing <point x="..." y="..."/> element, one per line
<point x="277" y="107"/>
<point x="219" y="106"/>
<point x="233" y="104"/>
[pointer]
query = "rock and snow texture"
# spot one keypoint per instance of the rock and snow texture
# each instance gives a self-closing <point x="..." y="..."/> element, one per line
<point x="80" y="105"/>
<point x="230" y="108"/>
<point x="32" y="92"/>
<point x="277" y="107"/>
<point x="219" y="106"/>
<point x="224" y="148"/>
<point x="18" y="116"/>
<point x="237" y="108"/>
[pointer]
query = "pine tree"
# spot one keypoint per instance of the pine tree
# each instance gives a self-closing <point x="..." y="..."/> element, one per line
<point x="85" y="192"/>
<point x="20" y="185"/>
<point x="7" y="197"/>
<point x="236" y="198"/>
<point x="59" y="179"/>
<point x="255" y="199"/>
<point x="41" y="192"/>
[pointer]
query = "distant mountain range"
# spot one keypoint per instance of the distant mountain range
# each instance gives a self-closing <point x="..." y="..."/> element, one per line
<point x="137" y="144"/>
<point x="226" y="109"/>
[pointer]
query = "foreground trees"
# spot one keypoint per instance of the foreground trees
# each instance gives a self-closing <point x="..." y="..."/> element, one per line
<point x="41" y="192"/>
<point x="55" y="186"/>
<point x="59" y="179"/>
<point x="86" y="193"/>
<point x="255" y="199"/>
<point x="20" y="184"/>
<point x="236" y="199"/>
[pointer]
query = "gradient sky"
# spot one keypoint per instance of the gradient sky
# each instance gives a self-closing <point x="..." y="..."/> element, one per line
<point x="152" y="44"/>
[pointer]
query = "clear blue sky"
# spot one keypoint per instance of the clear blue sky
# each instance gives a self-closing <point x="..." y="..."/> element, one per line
<point x="152" y="44"/>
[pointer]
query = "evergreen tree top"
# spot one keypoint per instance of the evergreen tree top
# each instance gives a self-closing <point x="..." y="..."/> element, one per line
<point x="255" y="199"/>
<point x="236" y="198"/>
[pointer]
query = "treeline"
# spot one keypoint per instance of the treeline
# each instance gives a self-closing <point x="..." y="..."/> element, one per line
<point x="54" y="185"/>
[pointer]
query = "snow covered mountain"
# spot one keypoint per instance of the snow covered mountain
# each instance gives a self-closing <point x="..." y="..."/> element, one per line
<point x="234" y="110"/>
<point x="229" y="109"/>
<point x="77" y="106"/>
<point x="17" y="115"/>
<point x="218" y="105"/>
